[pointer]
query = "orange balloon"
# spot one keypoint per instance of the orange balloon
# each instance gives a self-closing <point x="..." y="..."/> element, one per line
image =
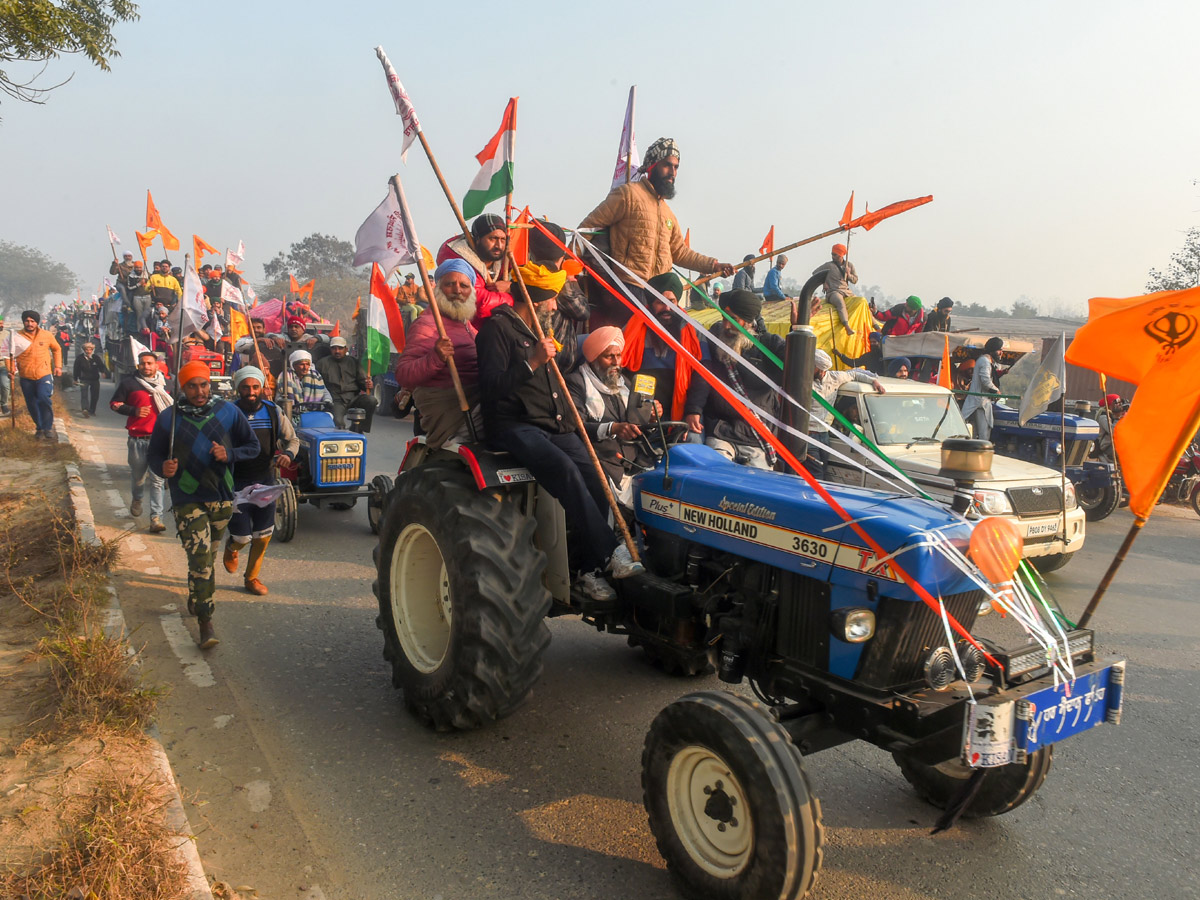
<point x="996" y="547"/>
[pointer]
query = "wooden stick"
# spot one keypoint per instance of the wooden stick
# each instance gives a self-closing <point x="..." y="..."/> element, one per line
<point x="750" y="262"/>
<point x="1111" y="573"/>
<point x="512" y="155"/>
<point x="618" y="518"/>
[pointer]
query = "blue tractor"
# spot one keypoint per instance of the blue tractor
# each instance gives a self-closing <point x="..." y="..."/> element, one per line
<point x="1040" y="440"/>
<point x="749" y="572"/>
<point x="330" y="469"/>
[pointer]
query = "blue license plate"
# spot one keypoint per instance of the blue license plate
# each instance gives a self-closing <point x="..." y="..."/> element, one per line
<point x="1055" y="713"/>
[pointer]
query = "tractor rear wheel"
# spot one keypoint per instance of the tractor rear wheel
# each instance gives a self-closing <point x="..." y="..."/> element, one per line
<point x="381" y="488"/>
<point x="1098" y="503"/>
<point x="461" y="599"/>
<point x="285" y="515"/>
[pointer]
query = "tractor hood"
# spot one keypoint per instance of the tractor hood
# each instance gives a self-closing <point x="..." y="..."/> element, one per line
<point x="778" y="519"/>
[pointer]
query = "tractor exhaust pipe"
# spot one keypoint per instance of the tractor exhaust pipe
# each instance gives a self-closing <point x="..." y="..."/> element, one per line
<point x="800" y="345"/>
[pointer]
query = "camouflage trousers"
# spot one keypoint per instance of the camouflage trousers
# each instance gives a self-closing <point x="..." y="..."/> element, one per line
<point x="200" y="526"/>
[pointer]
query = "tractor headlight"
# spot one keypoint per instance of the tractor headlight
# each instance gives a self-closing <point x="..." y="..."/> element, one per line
<point x="1071" y="501"/>
<point x="330" y="448"/>
<point x="985" y="607"/>
<point x="992" y="503"/>
<point x="352" y="448"/>
<point x="854" y="625"/>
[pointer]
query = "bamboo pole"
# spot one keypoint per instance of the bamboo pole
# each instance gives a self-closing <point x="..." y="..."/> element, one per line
<point x="1130" y="537"/>
<point x="757" y="259"/>
<point x="512" y="155"/>
<point x="618" y="518"/>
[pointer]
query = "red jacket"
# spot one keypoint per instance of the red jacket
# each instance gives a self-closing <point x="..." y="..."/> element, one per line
<point x="420" y="366"/>
<point x="486" y="300"/>
<point x="900" y="323"/>
<point x="128" y="397"/>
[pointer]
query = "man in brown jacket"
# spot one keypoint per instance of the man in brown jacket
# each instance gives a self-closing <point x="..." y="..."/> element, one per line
<point x="643" y="233"/>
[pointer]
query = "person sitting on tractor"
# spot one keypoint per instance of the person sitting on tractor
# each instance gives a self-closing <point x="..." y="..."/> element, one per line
<point x="526" y="413"/>
<point x="348" y="384"/>
<point x="252" y="524"/>
<point x="422" y="367"/>
<point x="297" y="338"/>
<point x="725" y="429"/>
<point x="1112" y="408"/>
<point x="647" y="354"/>
<point x="303" y="385"/>
<point x="601" y="394"/>
<point x="483" y="254"/>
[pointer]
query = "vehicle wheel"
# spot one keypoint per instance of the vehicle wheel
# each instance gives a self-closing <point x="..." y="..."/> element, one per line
<point x="285" y="515"/>
<point x="381" y="487"/>
<point x="729" y="804"/>
<point x="1045" y="564"/>
<point x="1004" y="788"/>
<point x="1195" y="500"/>
<point x="461" y="598"/>
<point x="1098" y="503"/>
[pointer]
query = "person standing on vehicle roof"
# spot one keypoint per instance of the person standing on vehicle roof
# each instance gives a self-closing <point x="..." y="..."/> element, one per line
<point x="643" y="233"/>
<point x="423" y="366"/>
<point x="977" y="409"/>
<point x="349" y="386"/>
<point x="252" y="524"/>
<point x="726" y="431"/>
<point x="839" y="275"/>
<point x="210" y="437"/>
<point x="527" y="413"/>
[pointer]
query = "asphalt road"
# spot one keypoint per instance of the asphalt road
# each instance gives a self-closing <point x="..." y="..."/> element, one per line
<point x="304" y="777"/>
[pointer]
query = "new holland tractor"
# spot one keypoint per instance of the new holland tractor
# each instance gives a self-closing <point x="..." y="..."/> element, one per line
<point x="752" y="573"/>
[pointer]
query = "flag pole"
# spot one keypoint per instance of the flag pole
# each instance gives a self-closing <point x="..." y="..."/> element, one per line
<point x="433" y="306"/>
<point x="816" y="237"/>
<point x="1130" y="537"/>
<point x="618" y="518"/>
<point x="113" y="246"/>
<point x="178" y="366"/>
<point x="1062" y="438"/>
<point x="512" y="155"/>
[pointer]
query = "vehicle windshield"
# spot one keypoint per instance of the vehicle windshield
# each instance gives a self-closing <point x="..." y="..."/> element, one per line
<point x="905" y="418"/>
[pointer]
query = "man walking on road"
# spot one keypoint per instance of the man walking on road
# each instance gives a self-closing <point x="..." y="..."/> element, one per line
<point x="38" y="365"/>
<point x="140" y="398"/>
<point x="88" y="369"/>
<point x="252" y="524"/>
<point x="210" y="437"/>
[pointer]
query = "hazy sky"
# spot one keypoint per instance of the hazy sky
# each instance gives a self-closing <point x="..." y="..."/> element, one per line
<point x="1059" y="139"/>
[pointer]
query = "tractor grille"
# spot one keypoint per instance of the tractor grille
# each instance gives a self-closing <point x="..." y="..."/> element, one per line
<point x="905" y="632"/>
<point x="803" y="633"/>
<point x="341" y="471"/>
<point x="1026" y="502"/>
<point x="1077" y="452"/>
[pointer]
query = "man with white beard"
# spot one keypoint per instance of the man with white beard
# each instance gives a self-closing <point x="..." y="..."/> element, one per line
<point x="423" y="366"/>
<point x="724" y="428"/>
<point x="601" y="394"/>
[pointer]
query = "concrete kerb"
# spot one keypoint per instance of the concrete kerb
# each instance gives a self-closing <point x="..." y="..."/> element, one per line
<point x="116" y="628"/>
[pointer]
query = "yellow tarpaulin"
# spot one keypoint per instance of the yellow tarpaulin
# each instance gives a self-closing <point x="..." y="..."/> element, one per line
<point x="777" y="315"/>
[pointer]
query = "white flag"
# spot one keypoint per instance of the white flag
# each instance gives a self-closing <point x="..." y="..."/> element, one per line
<point x="112" y="236"/>
<point x="260" y="494"/>
<point x="249" y="292"/>
<point x="404" y="107"/>
<point x="234" y="258"/>
<point x="627" y="153"/>
<point x="1047" y="383"/>
<point x="384" y="238"/>
<point x="13" y="344"/>
<point x="191" y="312"/>
<point x="230" y="294"/>
<point x="137" y="348"/>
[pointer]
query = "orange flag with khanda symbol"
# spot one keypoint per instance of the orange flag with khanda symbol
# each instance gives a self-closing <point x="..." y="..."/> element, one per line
<point x="1154" y="342"/>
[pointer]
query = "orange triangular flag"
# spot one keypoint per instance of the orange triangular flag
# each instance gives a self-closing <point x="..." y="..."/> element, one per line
<point x="357" y="307"/>
<point x="293" y="284"/>
<point x="519" y="240"/>
<point x="768" y="244"/>
<point x="944" y="372"/>
<point x="870" y="219"/>
<point x="307" y="288"/>
<point x="170" y="242"/>
<point x="687" y="238"/>
<point x="145" y="240"/>
<point x="153" y="219"/>
<point x="848" y="215"/>
<point x="337" y="329"/>
<point x="202" y="248"/>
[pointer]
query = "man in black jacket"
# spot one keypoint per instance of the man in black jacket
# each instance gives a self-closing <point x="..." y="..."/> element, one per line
<point x="527" y="414"/>
<point x="725" y="429"/>
<point x="348" y="385"/>
<point x="88" y="369"/>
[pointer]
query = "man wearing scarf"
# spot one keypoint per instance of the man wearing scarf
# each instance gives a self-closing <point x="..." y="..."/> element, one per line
<point x="303" y="384"/>
<point x="526" y="413"/>
<point x="545" y="270"/>
<point x="210" y="438"/>
<point x="601" y="394"/>
<point x="726" y="431"/>
<point x="423" y="366"/>
<point x="646" y="353"/>
<point x="489" y="234"/>
<point x="140" y="398"/>
<point x="643" y="232"/>
<point x="252" y="524"/>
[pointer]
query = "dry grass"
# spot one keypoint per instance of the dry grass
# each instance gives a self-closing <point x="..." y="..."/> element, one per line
<point x="16" y="435"/>
<point x="112" y="846"/>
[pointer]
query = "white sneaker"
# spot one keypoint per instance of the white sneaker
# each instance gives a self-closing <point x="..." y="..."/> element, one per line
<point x="597" y="588"/>
<point x="622" y="564"/>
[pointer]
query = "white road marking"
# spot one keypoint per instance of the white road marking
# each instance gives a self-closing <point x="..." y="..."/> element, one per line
<point x="195" y="668"/>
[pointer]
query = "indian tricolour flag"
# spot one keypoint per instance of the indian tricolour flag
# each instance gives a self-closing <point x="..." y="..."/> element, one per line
<point x="385" y="328"/>
<point x="495" y="178"/>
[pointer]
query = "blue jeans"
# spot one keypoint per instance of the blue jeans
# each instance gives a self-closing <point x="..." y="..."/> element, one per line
<point x="37" y="399"/>
<point x="140" y="476"/>
<point x="5" y="385"/>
